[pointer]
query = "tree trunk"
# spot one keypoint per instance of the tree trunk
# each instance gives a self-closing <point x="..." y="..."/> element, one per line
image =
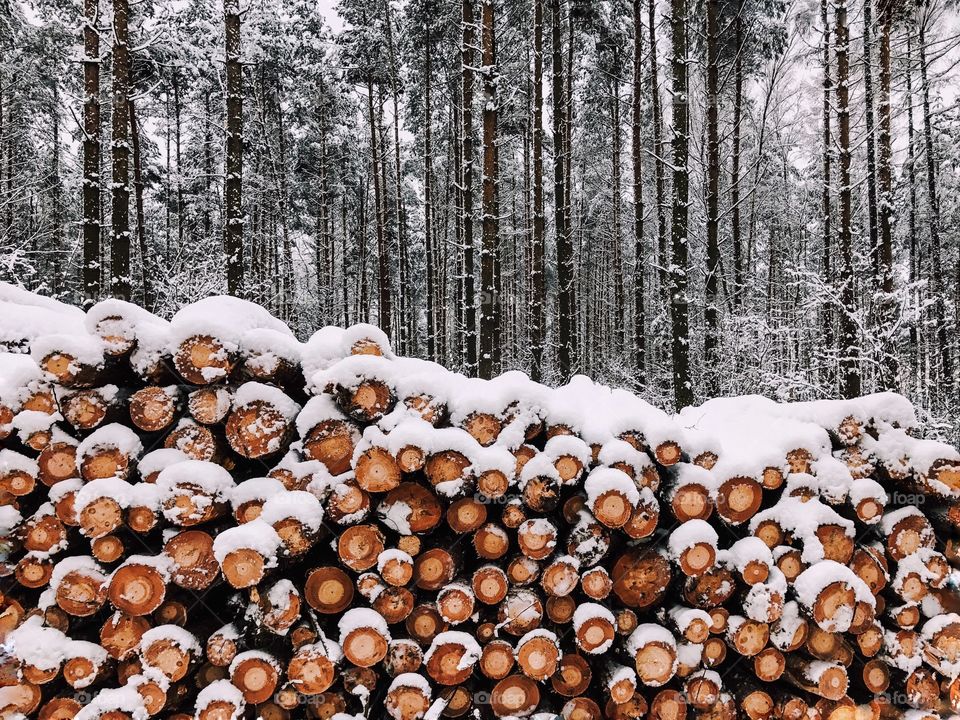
<point x="825" y="193"/>
<point x="735" y="229"/>
<point x="120" y="153"/>
<point x="888" y="301"/>
<point x="538" y="303"/>
<point x="640" y="254"/>
<point x="618" y="328"/>
<point x="868" y="101"/>
<point x="711" y="316"/>
<point x="404" y="333"/>
<point x="91" y="153"/>
<point x="938" y="291"/>
<point x="233" y="198"/>
<point x="145" y="265"/>
<point x="912" y="214"/>
<point x="658" y="147"/>
<point x="489" y="300"/>
<point x="433" y="331"/>
<point x="466" y="116"/>
<point x="383" y="273"/>
<point x="565" y="327"/>
<point x="849" y="346"/>
<point x="679" y="310"/>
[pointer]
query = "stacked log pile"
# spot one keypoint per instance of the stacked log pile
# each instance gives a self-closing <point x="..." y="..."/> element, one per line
<point x="207" y="518"/>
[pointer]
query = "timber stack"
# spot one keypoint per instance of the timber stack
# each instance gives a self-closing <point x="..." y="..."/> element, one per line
<point x="204" y="517"/>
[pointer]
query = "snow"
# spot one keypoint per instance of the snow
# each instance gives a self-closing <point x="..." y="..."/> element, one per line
<point x="684" y="616"/>
<point x="396" y="516"/>
<point x="210" y="478"/>
<point x="298" y="504"/>
<point x="156" y="461"/>
<point x="359" y="618"/>
<point x="10" y="519"/>
<point x="604" y="480"/>
<point x="116" y="489"/>
<point x="254" y="489"/>
<point x="893" y="517"/>
<point x="802" y="519"/>
<point x="253" y="655"/>
<point x="265" y="348"/>
<point x="109" y="436"/>
<point x="12" y="461"/>
<point x="471" y="649"/>
<point x="317" y="409"/>
<point x="647" y="633"/>
<point x="36" y="645"/>
<point x="745" y="551"/>
<point x="392" y="554"/>
<point x="689" y="534"/>
<point x="175" y="634"/>
<point x="223" y="317"/>
<point x="411" y="680"/>
<point x="255" y="392"/>
<point x="783" y="630"/>
<point x="255" y="535"/>
<point x="123" y="319"/>
<point x="221" y="691"/>
<point x="809" y="584"/>
<point x="84" y="349"/>
<point x="764" y="600"/>
<point x="620" y="451"/>
<point x="588" y="611"/>
<point x="124" y="700"/>
<point x="18" y="374"/>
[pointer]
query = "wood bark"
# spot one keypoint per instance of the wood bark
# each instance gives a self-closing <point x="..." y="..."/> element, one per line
<point x="640" y="251"/>
<point x="679" y="240"/>
<point x="234" y="216"/>
<point x="711" y="311"/>
<point x="467" y="52"/>
<point x="91" y="153"/>
<point x="538" y="300"/>
<point x="850" y="380"/>
<point x="489" y="297"/>
<point x="120" y="281"/>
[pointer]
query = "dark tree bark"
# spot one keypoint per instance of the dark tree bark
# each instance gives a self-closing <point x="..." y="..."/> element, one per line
<point x="938" y="290"/>
<point x="679" y="241"/>
<point x="383" y="266"/>
<point x="825" y="192"/>
<point x="912" y="190"/>
<point x="735" y="227"/>
<point x="658" y="147"/>
<point x="489" y="295"/>
<point x="120" y="155"/>
<point x="888" y="302"/>
<point x="636" y="148"/>
<point x="145" y="264"/>
<point x="868" y="101"/>
<point x="91" y="153"/>
<point x="404" y="333"/>
<point x="565" y="322"/>
<point x="711" y="314"/>
<point x="849" y="345"/>
<point x="433" y="329"/>
<point x="466" y="116"/>
<point x="233" y="185"/>
<point x="538" y="303"/>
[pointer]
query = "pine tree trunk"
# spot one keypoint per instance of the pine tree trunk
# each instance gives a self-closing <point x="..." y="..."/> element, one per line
<point x="849" y="346"/>
<point x="735" y="228"/>
<point x="120" y="154"/>
<point x="888" y="301"/>
<point x="383" y="273"/>
<point x="659" y="149"/>
<point x="538" y="303"/>
<point x="489" y="296"/>
<point x="711" y="315"/>
<point x="636" y="148"/>
<point x="618" y="326"/>
<point x="565" y="327"/>
<point x="404" y="333"/>
<point x="938" y="290"/>
<point x="466" y="188"/>
<point x="679" y="310"/>
<point x="177" y="136"/>
<point x="233" y="198"/>
<point x="825" y="193"/>
<point x="433" y="331"/>
<point x="145" y="264"/>
<point x="286" y="278"/>
<point x="91" y="153"/>
<point x="912" y="189"/>
<point x="868" y="101"/>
